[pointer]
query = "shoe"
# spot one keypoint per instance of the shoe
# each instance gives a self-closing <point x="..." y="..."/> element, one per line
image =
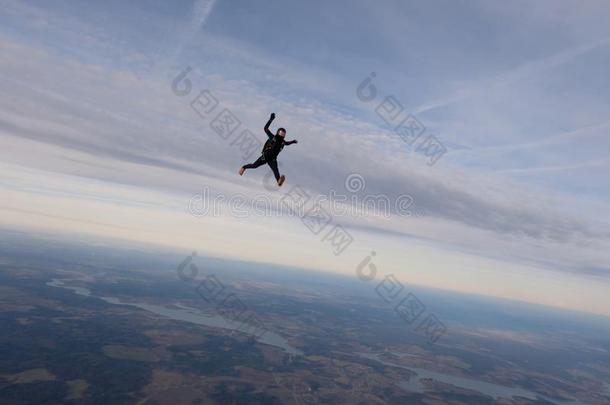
<point x="241" y="171"/>
<point x="281" y="180"/>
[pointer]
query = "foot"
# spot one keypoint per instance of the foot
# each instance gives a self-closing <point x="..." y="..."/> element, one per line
<point x="242" y="170"/>
<point x="281" y="180"/>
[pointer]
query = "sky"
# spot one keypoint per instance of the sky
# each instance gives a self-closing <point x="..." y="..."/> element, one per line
<point x="100" y="136"/>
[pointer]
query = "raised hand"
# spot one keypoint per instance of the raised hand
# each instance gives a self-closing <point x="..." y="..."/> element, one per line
<point x="272" y="116"/>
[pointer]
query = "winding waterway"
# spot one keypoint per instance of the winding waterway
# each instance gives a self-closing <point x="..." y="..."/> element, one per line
<point x="493" y="390"/>
<point x="185" y="314"/>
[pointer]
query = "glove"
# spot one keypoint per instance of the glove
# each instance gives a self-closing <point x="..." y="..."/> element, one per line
<point x="272" y="116"/>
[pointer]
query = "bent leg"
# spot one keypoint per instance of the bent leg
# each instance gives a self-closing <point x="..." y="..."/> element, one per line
<point x="259" y="162"/>
<point x="273" y="165"/>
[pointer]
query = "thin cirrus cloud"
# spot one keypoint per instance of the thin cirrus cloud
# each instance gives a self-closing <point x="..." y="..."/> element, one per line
<point x="106" y="121"/>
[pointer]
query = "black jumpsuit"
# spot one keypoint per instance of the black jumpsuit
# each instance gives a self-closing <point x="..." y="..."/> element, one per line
<point x="271" y="149"/>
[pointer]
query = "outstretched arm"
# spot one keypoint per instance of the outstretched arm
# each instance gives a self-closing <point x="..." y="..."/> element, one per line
<point x="269" y="133"/>
<point x="290" y="142"/>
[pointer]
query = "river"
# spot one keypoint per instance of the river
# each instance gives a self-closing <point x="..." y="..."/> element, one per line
<point x="493" y="390"/>
<point x="185" y="314"/>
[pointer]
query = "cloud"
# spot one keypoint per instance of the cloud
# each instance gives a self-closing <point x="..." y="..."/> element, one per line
<point x="106" y="122"/>
<point x="186" y="32"/>
<point x="525" y="70"/>
<point x="564" y="137"/>
<point x="560" y="168"/>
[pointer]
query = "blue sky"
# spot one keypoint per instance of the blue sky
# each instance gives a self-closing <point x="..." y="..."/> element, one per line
<point x="94" y="141"/>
